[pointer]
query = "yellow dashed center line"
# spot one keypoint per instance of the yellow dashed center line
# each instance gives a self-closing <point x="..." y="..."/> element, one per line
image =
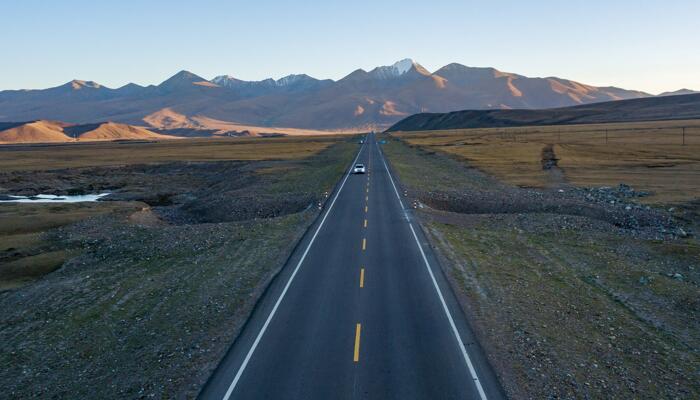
<point x="358" y="327"/>
<point x="356" y="356"/>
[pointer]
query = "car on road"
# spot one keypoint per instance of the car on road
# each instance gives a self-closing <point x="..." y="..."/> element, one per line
<point x="359" y="169"/>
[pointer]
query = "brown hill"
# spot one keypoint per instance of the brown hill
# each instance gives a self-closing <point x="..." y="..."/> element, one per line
<point x="169" y="119"/>
<point x="637" y="110"/>
<point x="34" y="132"/>
<point x="115" y="131"/>
<point x="174" y="123"/>
<point x="54" y="131"/>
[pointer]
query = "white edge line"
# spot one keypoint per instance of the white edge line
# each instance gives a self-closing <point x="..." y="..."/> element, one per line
<point x="286" y="287"/>
<point x="467" y="359"/>
<point x="472" y="371"/>
<point x="391" y="179"/>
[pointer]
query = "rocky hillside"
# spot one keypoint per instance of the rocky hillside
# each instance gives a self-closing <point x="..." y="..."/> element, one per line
<point x="648" y="109"/>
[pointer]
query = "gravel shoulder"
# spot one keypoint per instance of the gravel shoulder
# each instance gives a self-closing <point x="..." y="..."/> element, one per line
<point x="573" y="292"/>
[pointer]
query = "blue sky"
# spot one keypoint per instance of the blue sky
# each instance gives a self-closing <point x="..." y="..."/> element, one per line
<point x="646" y="45"/>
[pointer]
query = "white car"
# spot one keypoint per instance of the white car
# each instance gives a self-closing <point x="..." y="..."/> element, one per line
<point x="358" y="169"/>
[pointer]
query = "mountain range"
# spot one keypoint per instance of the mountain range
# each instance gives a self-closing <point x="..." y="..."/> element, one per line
<point x="361" y="100"/>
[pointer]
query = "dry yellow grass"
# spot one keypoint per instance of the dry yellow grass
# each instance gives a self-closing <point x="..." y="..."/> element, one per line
<point x="649" y="156"/>
<point x="671" y="172"/>
<point x="24" y="253"/>
<point x="46" y="157"/>
<point x="19" y="221"/>
<point x="15" y="273"/>
<point x="521" y="166"/>
<point x="654" y="132"/>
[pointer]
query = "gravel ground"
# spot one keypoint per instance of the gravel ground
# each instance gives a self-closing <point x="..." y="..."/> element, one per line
<point x="153" y="298"/>
<point x="574" y="292"/>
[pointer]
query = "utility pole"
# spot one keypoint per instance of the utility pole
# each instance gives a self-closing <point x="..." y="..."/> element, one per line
<point x="683" y="136"/>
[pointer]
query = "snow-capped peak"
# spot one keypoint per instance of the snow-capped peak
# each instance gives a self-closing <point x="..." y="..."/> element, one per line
<point x="228" y="80"/>
<point x="395" y="70"/>
<point x="290" y="79"/>
<point x="223" y="79"/>
<point x="403" y="66"/>
<point x="78" y="84"/>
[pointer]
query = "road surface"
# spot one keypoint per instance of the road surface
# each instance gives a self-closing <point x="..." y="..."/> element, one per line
<point x="361" y="311"/>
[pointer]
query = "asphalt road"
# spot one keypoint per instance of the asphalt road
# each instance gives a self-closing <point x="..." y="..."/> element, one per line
<point x="361" y="311"/>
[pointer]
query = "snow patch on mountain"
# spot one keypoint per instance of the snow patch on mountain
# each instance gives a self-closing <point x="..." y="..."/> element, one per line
<point x="403" y="66"/>
<point x="228" y="80"/>
<point x="292" y="79"/>
<point x="78" y="84"/>
<point x="395" y="70"/>
<point x="224" y="80"/>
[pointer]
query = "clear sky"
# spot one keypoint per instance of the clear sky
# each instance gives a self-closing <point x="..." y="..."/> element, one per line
<point x="635" y="44"/>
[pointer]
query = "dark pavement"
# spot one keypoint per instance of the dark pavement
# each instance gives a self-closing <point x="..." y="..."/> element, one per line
<point x="361" y="311"/>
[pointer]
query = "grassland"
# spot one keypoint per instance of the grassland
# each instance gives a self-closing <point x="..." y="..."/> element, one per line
<point x="649" y="156"/>
<point x="567" y="305"/>
<point x="24" y="254"/>
<point x="141" y="297"/>
<point x="57" y="156"/>
<point x="584" y="314"/>
<point x="18" y="222"/>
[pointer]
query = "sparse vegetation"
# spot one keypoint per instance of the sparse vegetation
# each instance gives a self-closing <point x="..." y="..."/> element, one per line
<point x="567" y="305"/>
<point x="648" y="156"/>
<point x="25" y="255"/>
<point x="159" y="282"/>
<point x="57" y="156"/>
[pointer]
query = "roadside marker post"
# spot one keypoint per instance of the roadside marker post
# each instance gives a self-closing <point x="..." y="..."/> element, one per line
<point x="683" y="136"/>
